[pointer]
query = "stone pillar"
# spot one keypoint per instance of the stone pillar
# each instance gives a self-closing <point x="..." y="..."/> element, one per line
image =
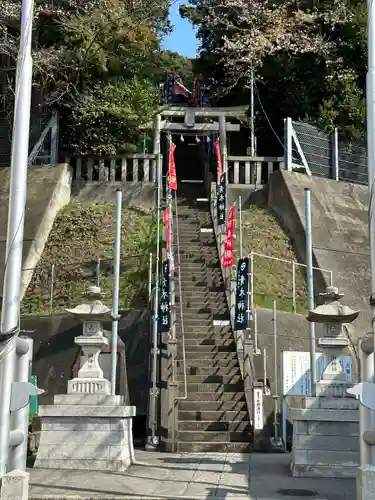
<point x="223" y="143"/>
<point x="87" y="428"/>
<point x="325" y="431"/>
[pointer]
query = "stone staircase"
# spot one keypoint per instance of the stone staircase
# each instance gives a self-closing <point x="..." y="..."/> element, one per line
<point x="214" y="415"/>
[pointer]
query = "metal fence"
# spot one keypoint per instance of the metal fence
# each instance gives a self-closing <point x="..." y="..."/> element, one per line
<point x="325" y="155"/>
<point x="282" y="280"/>
<point x="56" y="288"/>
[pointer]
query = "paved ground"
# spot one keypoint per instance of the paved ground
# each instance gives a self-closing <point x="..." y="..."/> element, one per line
<point x="198" y="476"/>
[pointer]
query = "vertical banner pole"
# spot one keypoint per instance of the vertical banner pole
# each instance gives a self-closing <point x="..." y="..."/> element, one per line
<point x="240" y="214"/>
<point x="310" y="290"/>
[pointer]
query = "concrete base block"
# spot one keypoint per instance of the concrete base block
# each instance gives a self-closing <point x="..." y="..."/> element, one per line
<point x="85" y="435"/>
<point x="15" y="486"/>
<point x="325" y="438"/>
<point x="366" y="482"/>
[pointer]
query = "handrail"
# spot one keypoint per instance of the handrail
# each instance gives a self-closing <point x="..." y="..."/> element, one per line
<point x="181" y="398"/>
<point x="256" y="158"/>
<point x="328" y="271"/>
<point x="184" y="397"/>
<point x="52" y="122"/>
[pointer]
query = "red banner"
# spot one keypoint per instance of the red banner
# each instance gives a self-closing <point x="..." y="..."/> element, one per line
<point x="218" y="156"/>
<point x="228" y="256"/>
<point x="172" y="168"/>
<point x="167" y="230"/>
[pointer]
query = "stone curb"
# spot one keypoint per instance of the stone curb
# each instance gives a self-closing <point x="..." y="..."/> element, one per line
<point x="163" y="497"/>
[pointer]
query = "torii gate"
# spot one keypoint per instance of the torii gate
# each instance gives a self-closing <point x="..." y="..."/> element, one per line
<point x="189" y="125"/>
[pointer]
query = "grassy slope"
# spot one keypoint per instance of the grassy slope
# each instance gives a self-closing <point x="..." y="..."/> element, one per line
<point x="272" y="279"/>
<point x="81" y="234"/>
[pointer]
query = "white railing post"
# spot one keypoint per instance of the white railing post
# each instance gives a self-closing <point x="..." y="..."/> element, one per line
<point x="124" y="168"/>
<point x="288" y="145"/>
<point x="335" y="155"/>
<point x="247" y="172"/>
<point x="146" y="170"/>
<point x="55" y="138"/>
<point x="294" y="286"/>
<point x="112" y="170"/>
<point x="78" y="168"/>
<point x="252" y="281"/>
<point x="135" y="169"/>
<point x="90" y="165"/>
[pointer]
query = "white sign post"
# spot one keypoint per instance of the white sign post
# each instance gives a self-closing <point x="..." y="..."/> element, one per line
<point x="258" y="409"/>
<point x="296" y="375"/>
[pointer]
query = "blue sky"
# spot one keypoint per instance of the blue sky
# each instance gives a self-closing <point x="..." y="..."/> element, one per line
<point x="182" y="39"/>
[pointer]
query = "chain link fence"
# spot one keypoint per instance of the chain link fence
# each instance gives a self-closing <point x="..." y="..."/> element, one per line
<point x="329" y="155"/>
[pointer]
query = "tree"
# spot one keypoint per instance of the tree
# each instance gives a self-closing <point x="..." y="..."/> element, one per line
<point x="98" y="62"/>
<point x="307" y="56"/>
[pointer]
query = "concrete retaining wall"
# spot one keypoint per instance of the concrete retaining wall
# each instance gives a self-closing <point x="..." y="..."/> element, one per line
<point x="138" y="195"/>
<point x="48" y="191"/>
<point x="339" y="231"/>
<point x="55" y="353"/>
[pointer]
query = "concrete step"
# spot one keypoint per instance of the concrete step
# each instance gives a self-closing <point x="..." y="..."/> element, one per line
<point x="210" y="357"/>
<point x="200" y="365"/>
<point x="214" y="426"/>
<point x="230" y="347"/>
<point x="214" y="436"/>
<point x="222" y="371"/>
<point x="215" y="342"/>
<point x="217" y="447"/>
<point x="203" y="299"/>
<point x="212" y="406"/>
<point x="202" y="289"/>
<point x="191" y="316"/>
<point x="210" y="317"/>
<point x="216" y="397"/>
<point x="217" y="309"/>
<point x="215" y="416"/>
<point x="215" y="386"/>
<point x="206" y="337"/>
<point x="212" y="379"/>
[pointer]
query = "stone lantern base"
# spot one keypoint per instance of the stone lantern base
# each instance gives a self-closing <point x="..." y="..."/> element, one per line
<point x="86" y="431"/>
<point x="326" y="438"/>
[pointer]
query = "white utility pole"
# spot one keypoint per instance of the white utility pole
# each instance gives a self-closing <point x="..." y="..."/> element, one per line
<point x="16" y="217"/>
<point x="116" y="291"/>
<point x="370" y="100"/>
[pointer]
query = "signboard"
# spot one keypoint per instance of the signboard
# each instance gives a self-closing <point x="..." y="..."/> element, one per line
<point x="164" y="317"/>
<point x="34" y="400"/>
<point x="220" y="201"/>
<point x="296" y="371"/>
<point x="258" y="409"/>
<point x="241" y="319"/>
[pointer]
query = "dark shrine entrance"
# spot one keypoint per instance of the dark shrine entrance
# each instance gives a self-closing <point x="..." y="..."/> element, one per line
<point x="188" y="156"/>
<point x="189" y="164"/>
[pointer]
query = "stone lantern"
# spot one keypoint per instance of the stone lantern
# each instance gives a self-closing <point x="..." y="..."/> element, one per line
<point x="87" y="428"/>
<point x="92" y="314"/>
<point x="325" y="428"/>
<point x="333" y="316"/>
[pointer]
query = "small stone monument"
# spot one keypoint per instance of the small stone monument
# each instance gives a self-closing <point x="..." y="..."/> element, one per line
<point x="87" y="428"/>
<point x="325" y="431"/>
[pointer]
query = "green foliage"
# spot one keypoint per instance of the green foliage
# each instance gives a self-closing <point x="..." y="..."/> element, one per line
<point x="81" y="234"/>
<point x="308" y="57"/>
<point x="99" y="62"/>
<point x="106" y="119"/>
